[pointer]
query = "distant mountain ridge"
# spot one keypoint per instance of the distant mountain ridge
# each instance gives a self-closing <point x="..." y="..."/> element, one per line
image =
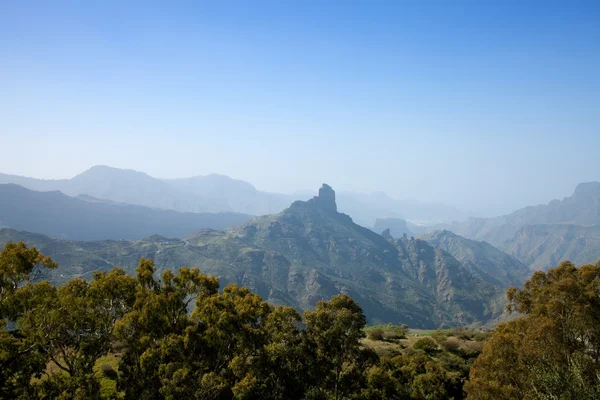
<point x="85" y="218"/>
<point x="581" y="208"/>
<point x="545" y="246"/>
<point x="307" y="252"/>
<point x="220" y="193"/>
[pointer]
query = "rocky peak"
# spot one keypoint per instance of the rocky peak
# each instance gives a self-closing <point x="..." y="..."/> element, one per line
<point x="326" y="198"/>
<point x="587" y="190"/>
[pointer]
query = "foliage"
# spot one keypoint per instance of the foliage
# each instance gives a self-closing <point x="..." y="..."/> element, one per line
<point x="554" y="350"/>
<point x="20" y="358"/>
<point x="426" y="344"/>
<point x="178" y="336"/>
<point x="376" y="334"/>
<point x="386" y="332"/>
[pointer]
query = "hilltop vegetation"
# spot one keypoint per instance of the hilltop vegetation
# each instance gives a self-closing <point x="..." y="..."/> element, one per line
<point x="117" y="336"/>
<point x="552" y="352"/>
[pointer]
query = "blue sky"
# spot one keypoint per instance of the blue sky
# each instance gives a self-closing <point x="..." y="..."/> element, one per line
<point x="485" y="105"/>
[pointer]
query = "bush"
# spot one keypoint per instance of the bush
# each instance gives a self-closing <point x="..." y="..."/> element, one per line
<point x="439" y="337"/>
<point x="426" y="344"/>
<point x="376" y="334"/>
<point x="463" y="333"/>
<point x="451" y="345"/>
<point x="396" y="332"/>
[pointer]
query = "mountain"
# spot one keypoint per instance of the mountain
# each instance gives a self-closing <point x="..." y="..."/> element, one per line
<point x="581" y="208"/>
<point x="306" y="253"/>
<point x="124" y="186"/>
<point x="239" y="195"/>
<point x="545" y="246"/>
<point x="133" y="187"/>
<point x="481" y="258"/>
<point x="219" y="193"/>
<point x="211" y="193"/>
<point x="85" y="218"/>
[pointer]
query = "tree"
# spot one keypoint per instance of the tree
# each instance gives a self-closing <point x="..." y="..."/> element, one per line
<point x="553" y="351"/>
<point x="19" y="265"/>
<point x="157" y="335"/>
<point x="179" y="337"/>
<point x="333" y="332"/>
<point x="19" y="360"/>
<point x="74" y="325"/>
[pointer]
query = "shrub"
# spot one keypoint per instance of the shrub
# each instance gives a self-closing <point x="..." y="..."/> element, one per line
<point x="439" y="337"/>
<point x="376" y="334"/>
<point x="396" y="332"/>
<point x="451" y="345"/>
<point x="426" y="344"/>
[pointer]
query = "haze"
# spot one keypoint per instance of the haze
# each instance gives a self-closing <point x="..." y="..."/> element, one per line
<point x="488" y="107"/>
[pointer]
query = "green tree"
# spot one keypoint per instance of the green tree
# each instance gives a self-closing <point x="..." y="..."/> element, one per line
<point x="333" y="331"/>
<point x="19" y="360"/>
<point x="551" y="352"/>
<point x="74" y="326"/>
<point x="158" y="336"/>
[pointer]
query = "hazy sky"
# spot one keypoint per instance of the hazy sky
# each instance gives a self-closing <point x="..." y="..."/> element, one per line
<point x="485" y="105"/>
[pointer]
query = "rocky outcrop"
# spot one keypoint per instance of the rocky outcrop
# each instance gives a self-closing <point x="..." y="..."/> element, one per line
<point x="326" y="198"/>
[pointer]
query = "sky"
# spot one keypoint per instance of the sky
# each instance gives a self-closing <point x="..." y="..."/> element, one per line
<point x="487" y="106"/>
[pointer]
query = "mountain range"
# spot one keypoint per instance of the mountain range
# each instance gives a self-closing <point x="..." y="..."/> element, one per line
<point x="306" y="253"/>
<point x="581" y="208"/>
<point x="220" y="193"/>
<point x="451" y="274"/>
<point x="544" y="235"/>
<point x="545" y="245"/>
<point x="86" y="218"/>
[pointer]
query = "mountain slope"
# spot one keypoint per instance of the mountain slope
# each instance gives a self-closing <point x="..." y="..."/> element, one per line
<point x="58" y="215"/>
<point x="545" y="246"/>
<point x="306" y="253"/>
<point x="481" y="258"/>
<point x="581" y="208"/>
